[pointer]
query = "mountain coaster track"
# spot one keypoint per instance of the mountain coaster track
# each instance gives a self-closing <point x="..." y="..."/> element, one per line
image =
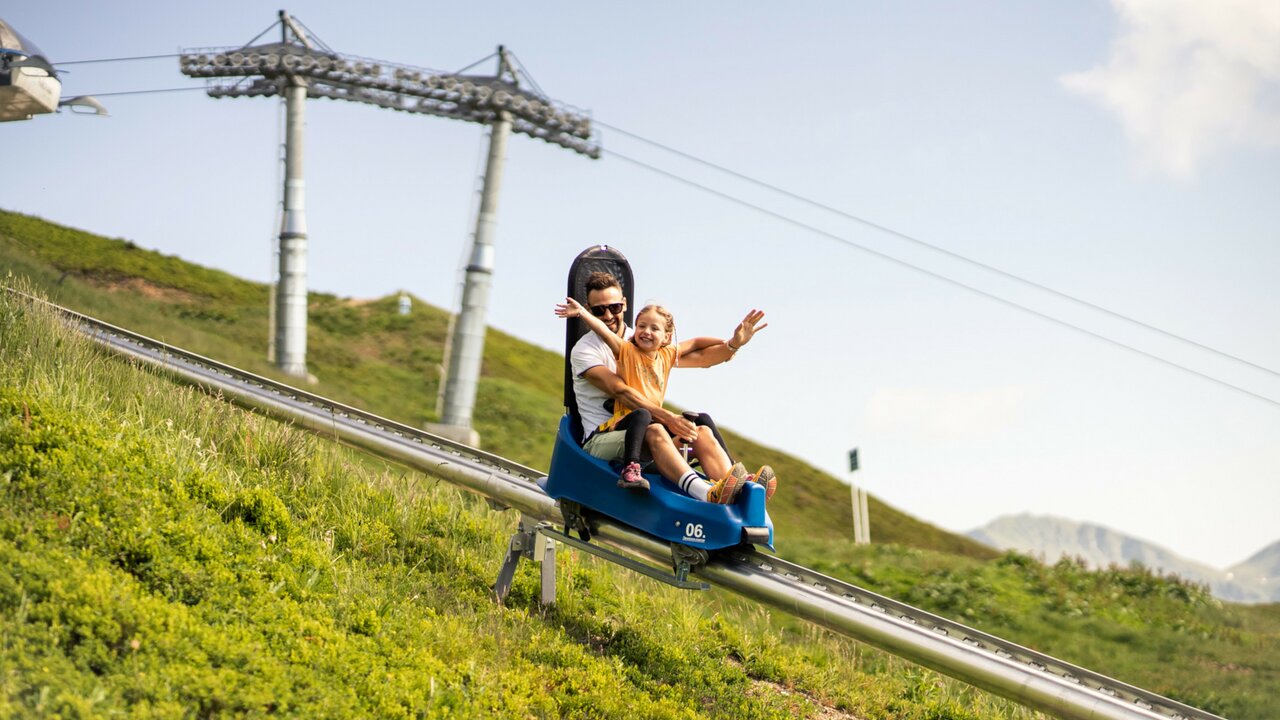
<point x="1004" y="668"/>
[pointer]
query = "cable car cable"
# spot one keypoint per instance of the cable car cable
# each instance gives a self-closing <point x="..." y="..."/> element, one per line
<point x="850" y="243"/>
<point x="845" y="241"/>
<point x="119" y="59"/>
<point x="147" y="92"/>
<point x="936" y="248"/>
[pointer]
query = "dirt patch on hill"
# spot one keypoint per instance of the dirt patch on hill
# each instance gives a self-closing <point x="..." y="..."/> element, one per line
<point x="796" y="698"/>
<point x="1225" y="667"/>
<point x="145" y="288"/>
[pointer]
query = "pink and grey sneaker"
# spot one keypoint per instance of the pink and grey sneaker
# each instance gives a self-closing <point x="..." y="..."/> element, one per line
<point x="631" y="478"/>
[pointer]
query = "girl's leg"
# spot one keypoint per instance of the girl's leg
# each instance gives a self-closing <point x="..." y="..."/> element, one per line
<point x="635" y="424"/>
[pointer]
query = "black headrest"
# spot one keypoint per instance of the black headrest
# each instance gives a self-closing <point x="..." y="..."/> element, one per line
<point x="595" y="258"/>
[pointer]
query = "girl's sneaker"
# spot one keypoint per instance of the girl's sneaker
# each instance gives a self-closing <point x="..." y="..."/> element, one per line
<point x="726" y="490"/>
<point x="631" y="478"/>
<point x="766" y="477"/>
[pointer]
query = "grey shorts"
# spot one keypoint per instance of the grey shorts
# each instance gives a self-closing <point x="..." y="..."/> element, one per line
<point x="611" y="446"/>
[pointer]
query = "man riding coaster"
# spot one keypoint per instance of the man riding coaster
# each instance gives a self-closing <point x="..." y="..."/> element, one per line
<point x="597" y="386"/>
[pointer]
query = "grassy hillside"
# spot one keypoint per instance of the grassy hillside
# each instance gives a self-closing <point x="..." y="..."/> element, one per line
<point x="367" y="355"/>
<point x="420" y="557"/>
<point x="165" y="555"/>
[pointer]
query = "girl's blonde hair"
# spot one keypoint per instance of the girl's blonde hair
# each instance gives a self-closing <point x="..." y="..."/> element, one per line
<point x="665" y="314"/>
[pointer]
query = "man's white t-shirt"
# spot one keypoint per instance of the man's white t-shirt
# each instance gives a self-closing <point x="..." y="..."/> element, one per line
<point x="594" y="405"/>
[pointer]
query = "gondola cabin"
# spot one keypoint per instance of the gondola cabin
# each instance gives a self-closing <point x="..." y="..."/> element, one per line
<point x="28" y="84"/>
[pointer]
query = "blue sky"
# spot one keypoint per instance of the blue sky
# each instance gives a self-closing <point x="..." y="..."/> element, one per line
<point x="1124" y="153"/>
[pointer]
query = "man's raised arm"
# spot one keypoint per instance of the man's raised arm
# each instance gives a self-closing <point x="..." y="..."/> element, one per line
<point x="708" y="351"/>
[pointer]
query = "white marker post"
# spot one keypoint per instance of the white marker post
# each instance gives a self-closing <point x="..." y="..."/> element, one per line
<point x="866" y="517"/>
<point x="861" y="521"/>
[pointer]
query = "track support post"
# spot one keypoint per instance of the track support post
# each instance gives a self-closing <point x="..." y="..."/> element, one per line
<point x="684" y="559"/>
<point x="527" y="542"/>
<point x="545" y="553"/>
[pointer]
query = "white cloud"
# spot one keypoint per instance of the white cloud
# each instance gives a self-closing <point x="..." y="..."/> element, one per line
<point x="1191" y="79"/>
<point x="940" y="415"/>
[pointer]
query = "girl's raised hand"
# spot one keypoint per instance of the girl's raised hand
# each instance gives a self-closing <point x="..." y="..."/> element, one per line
<point x="570" y="308"/>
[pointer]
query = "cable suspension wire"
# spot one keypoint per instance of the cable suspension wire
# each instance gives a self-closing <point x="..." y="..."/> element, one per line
<point x="922" y="243"/>
<point x="270" y="27"/>
<point x="490" y="56"/>
<point x="312" y="36"/>
<point x="951" y="281"/>
<point x="119" y="59"/>
<point x="524" y="72"/>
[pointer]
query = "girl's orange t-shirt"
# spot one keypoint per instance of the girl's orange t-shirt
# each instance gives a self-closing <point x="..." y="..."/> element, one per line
<point x="647" y="376"/>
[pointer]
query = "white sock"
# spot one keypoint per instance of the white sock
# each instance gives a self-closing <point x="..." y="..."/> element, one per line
<point x="693" y="484"/>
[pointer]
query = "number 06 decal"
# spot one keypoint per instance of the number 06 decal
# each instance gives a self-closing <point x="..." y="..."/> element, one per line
<point x="693" y="530"/>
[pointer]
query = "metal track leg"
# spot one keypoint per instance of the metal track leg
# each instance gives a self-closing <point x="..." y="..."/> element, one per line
<point x="545" y="552"/>
<point x="521" y="545"/>
<point x="685" y="559"/>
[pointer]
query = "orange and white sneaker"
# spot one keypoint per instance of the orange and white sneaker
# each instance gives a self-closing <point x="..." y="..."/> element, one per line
<point x="766" y="477"/>
<point x="726" y="489"/>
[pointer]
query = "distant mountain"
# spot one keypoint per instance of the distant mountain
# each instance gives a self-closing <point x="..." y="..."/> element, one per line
<point x="1252" y="581"/>
<point x="1261" y="571"/>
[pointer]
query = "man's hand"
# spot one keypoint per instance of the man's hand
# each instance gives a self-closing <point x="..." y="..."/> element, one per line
<point x="571" y="308"/>
<point x="747" y="329"/>
<point x="680" y="426"/>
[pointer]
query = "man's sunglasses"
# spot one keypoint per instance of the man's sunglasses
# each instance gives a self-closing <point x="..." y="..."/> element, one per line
<point x="599" y="310"/>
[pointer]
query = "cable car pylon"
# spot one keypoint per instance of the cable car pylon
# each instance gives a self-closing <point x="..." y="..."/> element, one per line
<point x="301" y="66"/>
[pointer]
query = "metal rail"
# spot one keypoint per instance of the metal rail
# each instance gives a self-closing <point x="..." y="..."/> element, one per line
<point x="1004" y="668"/>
